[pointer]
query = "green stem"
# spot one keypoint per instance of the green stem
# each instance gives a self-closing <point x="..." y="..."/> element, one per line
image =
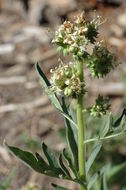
<point x="104" y="138"/>
<point x="81" y="130"/>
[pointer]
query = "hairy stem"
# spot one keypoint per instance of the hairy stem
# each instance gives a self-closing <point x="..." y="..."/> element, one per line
<point x="81" y="130"/>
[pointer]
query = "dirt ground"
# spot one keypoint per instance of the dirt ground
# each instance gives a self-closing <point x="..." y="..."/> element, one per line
<point x="25" y="111"/>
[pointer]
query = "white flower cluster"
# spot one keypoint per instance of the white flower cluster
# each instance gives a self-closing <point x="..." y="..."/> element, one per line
<point x="74" y="37"/>
<point x="64" y="80"/>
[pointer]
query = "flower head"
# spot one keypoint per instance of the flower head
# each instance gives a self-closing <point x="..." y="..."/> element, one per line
<point x="64" y="80"/>
<point x="101" y="61"/>
<point x="100" y="108"/>
<point x="73" y="37"/>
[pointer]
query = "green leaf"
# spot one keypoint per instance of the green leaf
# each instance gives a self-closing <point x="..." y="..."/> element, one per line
<point x="38" y="163"/>
<point x="50" y="156"/>
<point x="118" y="121"/>
<point x="5" y="185"/>
<point x="107" y="128"/>
<point x="26" y="157"/>
<point x="46" y="84"/>
<point x="69" y="118"/>
<point x="123" y="123"/>
<point x="65" y="52"/>
<point x="92" y="180"/>
<point x="67" y="157"/>
<point x="116" y="174"/>
<point x="42" y="162"/>
<point x="69" y="161"/>
<point x="59" y="187"/>
<point x="52" y="161"/>
<point x="47" y="170"/>
<point x="92" y="157"/>
<point x="71" y="137"/>
<point x="59" y="49"/>
<point x="63" y="109"/>
<point x="52" y="96"/>
<point x="103" y="182"/>
<point x="64" y="168"/>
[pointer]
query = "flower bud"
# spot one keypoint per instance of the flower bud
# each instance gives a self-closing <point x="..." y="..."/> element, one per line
<point x="80" y="53"/>
<point x="100" y="108"/>
<point x="101" y="61"/>
<point x="67" y="91"/>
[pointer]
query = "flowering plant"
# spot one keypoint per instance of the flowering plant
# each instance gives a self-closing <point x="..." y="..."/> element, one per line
<point x="67" y="81"/>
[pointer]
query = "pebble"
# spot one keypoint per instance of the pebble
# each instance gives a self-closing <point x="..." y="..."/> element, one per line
<point x="37" y="32"/>
<point x="122" y="20"/>
<point x="6" y="48"/>
<point x="116" y="42"/>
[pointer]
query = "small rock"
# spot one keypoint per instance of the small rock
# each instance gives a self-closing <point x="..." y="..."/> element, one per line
<point x="21" y="58"/>
<point x="6" y="48"/>
<point x="19" y="38"/>
<point x="37" y="32"/>
<point x="122" y="20"/>
<point x="116" y="42"/>
<point x="63" y="6"/>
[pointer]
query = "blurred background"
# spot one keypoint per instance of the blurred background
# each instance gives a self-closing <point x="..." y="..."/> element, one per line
<point x="26" y="115"/>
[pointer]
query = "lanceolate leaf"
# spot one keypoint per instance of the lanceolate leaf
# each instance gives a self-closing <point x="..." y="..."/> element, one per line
<point x="68" y="117"/>
<point x="103" y="182"/>
<point x="25" y="156"/>
<point x="107" y="127"/>
<point x="92" y="157"/>
<point x="59" y="187"/>
<point x="69" y="161"/>
<point x="52" y="160"/>
<point x="50" y="156"/>
<point x="123" y="123"/>
<point x="118" y="121"/>
<point x="52" y="96"/>
<point x="42" y="162"/>
<point x="71" y="137"/>
<point x="92" y="180"/>
<point x="116" y="174"/>
<point x="116" y="129"/>
<point x="64" y="168"/>
<point x="63" y="109"/>
<point x="46" y="84"/>
<point x="98" y="174"/>
<point x="38" y="163"/>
